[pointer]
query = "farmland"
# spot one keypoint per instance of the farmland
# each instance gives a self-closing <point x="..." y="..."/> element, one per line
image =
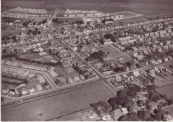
<point x="145" y="7"/>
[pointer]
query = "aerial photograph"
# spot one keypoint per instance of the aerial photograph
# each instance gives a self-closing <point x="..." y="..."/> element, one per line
<point x="87" y="60"/>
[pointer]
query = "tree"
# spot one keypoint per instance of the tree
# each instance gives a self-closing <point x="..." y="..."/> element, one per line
<point x="4" y="50"/>
<point x="146" y="115"/>
<point x="2" y="99"/>
<point x="149" y="107"/>
<point x="101" y="106"/>
<point x="158" y="117"/>
<point x="122" y="93"/>
<point x="150" y="119"/>
<point x="127" y="104"/>
<point x="115" y="106"/>
<point x="160" y="111"/>
<point x="133" y="117"/>
<point x="129" y="117"/>
<point x="124" y="118"/>
<point x="114" y="102"/>
<point x="170" y="101"/>
<point x="44" y="21"/>
<point x="119" y="101"/>
<point x="131" y="93"/>
<point x="140" y="114"/>
<point x="126" y="98"/>
<point x="140" y="102"/>
<point x="130" y="108"/>
<point x="151" y="87"/>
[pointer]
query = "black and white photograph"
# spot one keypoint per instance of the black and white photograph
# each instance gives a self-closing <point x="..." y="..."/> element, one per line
<point x="86" y="60"/>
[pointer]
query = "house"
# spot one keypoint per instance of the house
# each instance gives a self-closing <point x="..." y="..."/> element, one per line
<point x="88" y="115"/>
<point x="136" y="73"/>
<point x="153" y="105"/>
<point x="75" y="48"/>
<point x="82" y="77"/>
<point x="70" y="80"/>
<point x="8" y="63"/>
<point x="24" y="91"/>
<point x="109" y="72"/>
<point x="140" y="96"/>
<point x="124" y="111"/>
<point x="41" y="79"/>
<point x="115" y="114"/>
<point x="39" y="87"/>
<point x="108" y="41"/>
<point x="167" y="117"/>
<point x="76" y="79"/>
<point x="5" y="90"/>
<point x="118" y="78"/>
<point x="152" y="72"/>
<point x="31" y="90"/>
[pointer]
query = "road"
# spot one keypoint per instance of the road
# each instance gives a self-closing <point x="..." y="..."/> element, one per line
<point x="49" y="79"/>
<point x="97" y="72"/>
<point x="55" y="87"/>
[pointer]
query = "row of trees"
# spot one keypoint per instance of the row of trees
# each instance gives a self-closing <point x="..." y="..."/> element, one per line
<point x="34" y="32"/>
<point x="39" y="62"/>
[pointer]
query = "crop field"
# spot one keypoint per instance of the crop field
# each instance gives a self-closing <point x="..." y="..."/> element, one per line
<point x="66" y="103"/>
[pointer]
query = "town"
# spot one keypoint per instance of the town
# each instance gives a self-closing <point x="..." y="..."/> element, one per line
<point x="82" y="65"/>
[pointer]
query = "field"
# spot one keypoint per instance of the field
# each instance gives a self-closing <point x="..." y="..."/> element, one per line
<point x="169" y="109"/>
<point x="147" y="7"/>
<point x="71" y="72"/>
<point x="57" y="105"/>
<point x="46" y="58"/>
<point x="112" y="52"/>
<point x="9" y="31"/>
<point x="160" y="81"/>
<point x="30" y="56"/>
<point x="168" y="90"/>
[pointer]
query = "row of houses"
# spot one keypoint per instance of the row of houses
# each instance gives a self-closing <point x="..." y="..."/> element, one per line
<point x="27" y="15"/>
<point x="30" y="10"/>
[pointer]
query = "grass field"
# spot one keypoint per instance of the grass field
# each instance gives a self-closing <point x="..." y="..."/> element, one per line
<point x="30" y="56"/>
<point x="168" y="90"/>
<point x="58" y="105"/>
<point x="159" y="81"/>
<point x="71" y="72"/>
<point x="46" y="58"/>
<point x="112" y="52"/>
<point x="9" y="31"/>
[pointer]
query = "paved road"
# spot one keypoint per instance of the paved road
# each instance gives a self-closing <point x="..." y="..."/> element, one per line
<point x="55" y="88"/>
<point x="48" y="78"/>
<point x="97" y="72"/>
